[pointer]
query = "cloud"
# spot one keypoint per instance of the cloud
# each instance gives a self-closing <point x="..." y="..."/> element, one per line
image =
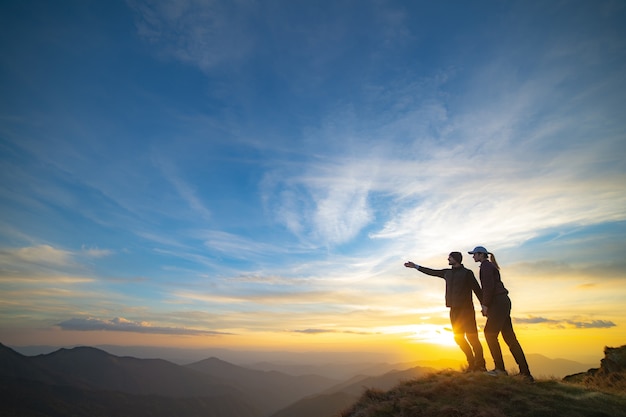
<point x="325" y="204"/>
<point x="238" y="246"/>
<point x="44" y="255"/>
<point x="592" y="324"/>
<point x="187" y="192"/>
<point x="45" y="279"/>
<point x="576" y="273"/>
<point x="120" y="324"/>
<point x="433" y="186"/>
<point x="314" y="331"/>
<point x="47" y="263"/>
<point x="406" y="160"/>
<point x="96" y="252"/>
<point x="321" y="331"/>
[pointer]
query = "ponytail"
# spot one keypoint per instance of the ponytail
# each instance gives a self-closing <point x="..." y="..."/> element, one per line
<point x="493" y="261"/>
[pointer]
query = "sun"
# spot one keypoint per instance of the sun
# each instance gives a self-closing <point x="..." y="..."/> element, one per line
<point x="434" y="334"/>
<point x="424" y="333"/>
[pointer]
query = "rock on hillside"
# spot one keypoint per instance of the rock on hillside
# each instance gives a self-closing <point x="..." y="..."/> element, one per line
<point x="611" y="375"/>
<point x="614" y="360"/>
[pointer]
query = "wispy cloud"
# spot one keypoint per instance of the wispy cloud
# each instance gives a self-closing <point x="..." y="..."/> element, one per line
<point x="239" y="246"/>
<point x="183" y="188"/>
<point x="44" y="255"/>
<point x="322" y="331"/>
<point x="96" y="252"/>
<point x="46" y="262"/>
<point x="120" y="324"/>
<point x="566" y="323"/>
<point x="327" y="205"/>
<point x="478" y="163"/>
<point x="44" y="279"/>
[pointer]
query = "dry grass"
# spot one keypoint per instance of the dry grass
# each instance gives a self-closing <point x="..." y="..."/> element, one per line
<point x="454" y="394"/>
<point x="613" y="383"/>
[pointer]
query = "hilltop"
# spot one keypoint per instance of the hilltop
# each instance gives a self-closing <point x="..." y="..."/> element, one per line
<point x="449" y="393"/>
<point x="599" y="392"/>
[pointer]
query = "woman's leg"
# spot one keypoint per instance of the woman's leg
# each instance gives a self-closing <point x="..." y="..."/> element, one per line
<point x="496" y="317"/>
<point x="514" y="346"/>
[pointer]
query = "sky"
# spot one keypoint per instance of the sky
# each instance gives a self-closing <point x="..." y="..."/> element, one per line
<point x="253" y="174"/>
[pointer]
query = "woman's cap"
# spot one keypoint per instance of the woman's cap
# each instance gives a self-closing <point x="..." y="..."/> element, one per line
<point x="479" y="249"/>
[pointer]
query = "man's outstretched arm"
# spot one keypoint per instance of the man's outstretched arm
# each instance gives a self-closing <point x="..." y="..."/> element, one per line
<point x="433" y="272"/>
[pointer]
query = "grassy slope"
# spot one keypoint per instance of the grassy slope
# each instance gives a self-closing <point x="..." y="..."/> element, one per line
<point x="453" y="394"/>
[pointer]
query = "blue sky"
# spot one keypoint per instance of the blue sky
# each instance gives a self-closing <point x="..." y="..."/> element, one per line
<point x="214" y="169"/>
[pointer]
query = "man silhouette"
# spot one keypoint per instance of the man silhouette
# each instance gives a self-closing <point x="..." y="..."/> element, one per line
<point x="460" y="282"/>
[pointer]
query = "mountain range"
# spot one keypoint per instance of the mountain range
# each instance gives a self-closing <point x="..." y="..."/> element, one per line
<point x="86" y="381"/>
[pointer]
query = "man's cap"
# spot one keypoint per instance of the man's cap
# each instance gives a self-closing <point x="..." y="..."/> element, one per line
<point x="457" y="256"/>
<point x="479" y="249"/>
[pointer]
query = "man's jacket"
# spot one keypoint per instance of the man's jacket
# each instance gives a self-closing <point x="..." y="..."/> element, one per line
<point x="460" y="282"/>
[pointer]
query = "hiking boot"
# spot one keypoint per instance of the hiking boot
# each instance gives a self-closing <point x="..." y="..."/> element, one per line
<point x="497" y="372"/>
<point x="526" y="377"/>
<point x="479" y="366"/>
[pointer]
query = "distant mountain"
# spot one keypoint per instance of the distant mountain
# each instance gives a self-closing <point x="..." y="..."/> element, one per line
<point x="244" y="358"/>
<point x="270" y="390"/>
<point x="14" y="365"/>
<point x="325" y="405"/>
<point x="539" y="364"/>
<point x="336" y="398"/>
<point x="338" y="371"/>
<point x="547" y="367"/>
<point x="27" y="398"/>
<point x="344" y="371"/>
<point x="70" y="372"/>
<point x="94" y="368"/>
<point x="68" y="378"/>
<point x="357" y="385"/>
<point x="329" y="365"/>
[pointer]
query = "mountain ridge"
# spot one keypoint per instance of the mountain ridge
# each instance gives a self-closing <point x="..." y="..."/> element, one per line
<point x="82" y="369"/>
<point x="302" y="363"/>
<point x="269" y="389"/>
<point x="65" y="378"/>
<point x="348" y="392"/>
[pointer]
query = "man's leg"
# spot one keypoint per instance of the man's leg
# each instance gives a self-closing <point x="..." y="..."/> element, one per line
<point x="471" y="334"/>
<point x="459" y="338"/>
<point x="479" y="358"/>
<point x="456" y="319"/>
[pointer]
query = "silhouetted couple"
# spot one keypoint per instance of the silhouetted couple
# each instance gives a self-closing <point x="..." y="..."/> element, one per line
<point x="496" y="306"/>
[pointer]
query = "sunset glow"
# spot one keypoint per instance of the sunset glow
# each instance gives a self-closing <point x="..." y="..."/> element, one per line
<point x="253" y="175"/>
